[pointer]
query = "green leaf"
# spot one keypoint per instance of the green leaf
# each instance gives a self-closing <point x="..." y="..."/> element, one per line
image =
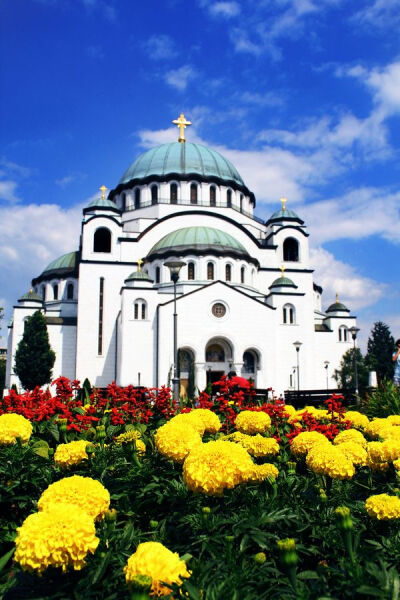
<point x="308" y="575"/>
<point x="42" y="451"/>
<point x="5" y="558"/>
<point x="101" y="568"/>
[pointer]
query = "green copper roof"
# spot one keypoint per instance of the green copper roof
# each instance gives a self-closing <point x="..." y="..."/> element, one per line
<point x="102" y="203"/>
<point x="66" y="261"/>
<point x="31" y="296"/>
<point x="281" y="215"/>
<point x="198" y="238"/>
<point x="182" y="159"/>
<point x="139" y="275"/>
<point x="282" y="282"/>
<point x="337" y="306"/>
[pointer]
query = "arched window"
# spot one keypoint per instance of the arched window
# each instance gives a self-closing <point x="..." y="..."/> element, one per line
<point x="191" y="271"/>
<point x="291" y="250"/>
<point x="55" y="291"/>
<point x="193" y="193"/>
<point x="289" y="314"/>
<point x="242" y="274"/>
<point x="140" y="310"/>
<point x="229" y="198"/>
<point x="154" y="194"/>
<point x="70" y="291"/>
<point x="158" y="274"/>
<point x="343" y="333"/>
<point x="137" y="198"/>
<point x="210" y="271"/>
<point x="102" y="240"/>
<point x="213" y="200"/>
<point x="228" y="272"/>
<point x="43" y="293"/>
<point x="173" y="193"/>
<point x="249" y="363"/>
<point x="215" y="353"/>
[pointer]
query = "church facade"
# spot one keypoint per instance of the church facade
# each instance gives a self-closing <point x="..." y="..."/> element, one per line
<point x="246" y="298"/>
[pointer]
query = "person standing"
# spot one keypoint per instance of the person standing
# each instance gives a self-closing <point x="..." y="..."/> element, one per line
<point x="396" y="360"/>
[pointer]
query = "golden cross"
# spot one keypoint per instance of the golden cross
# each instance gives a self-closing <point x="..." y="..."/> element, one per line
<point x="182" y="124"/>
<point x="337" y="298"/>
<point x="282" y="268"/>
<point x="283" y="200"/>
<point x="140" y="262"/>
<point x="103" y="190"/>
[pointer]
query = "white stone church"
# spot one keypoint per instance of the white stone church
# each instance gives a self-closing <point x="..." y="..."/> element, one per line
<point x="245" y="294"/>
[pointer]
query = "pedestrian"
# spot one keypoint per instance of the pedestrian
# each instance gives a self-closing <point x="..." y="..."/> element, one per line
<point x="396" y="360"/>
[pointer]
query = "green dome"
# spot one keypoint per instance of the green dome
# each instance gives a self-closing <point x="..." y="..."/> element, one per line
<point x="31" y="296"/>
<point x="284" y="215"/>
<point x="66" y="261"/>
<point x="198" y="239"/>
<point x="143" y="275"/>
<point x="282" y="282"/>
<point x="102" y="203"/>
<point x="182" y="159"/>
<point x="337" y="306"/>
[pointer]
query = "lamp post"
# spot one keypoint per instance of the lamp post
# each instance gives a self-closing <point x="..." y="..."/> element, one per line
<point x="326" y="363"/>
<point x="354" y="330"/>
<point x="297" y="346"/>
<point x="174" y="267"/>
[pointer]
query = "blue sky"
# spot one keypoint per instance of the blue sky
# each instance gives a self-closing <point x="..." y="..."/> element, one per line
<point x="302" y="95"/>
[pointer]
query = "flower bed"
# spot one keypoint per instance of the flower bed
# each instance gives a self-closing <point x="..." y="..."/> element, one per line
<point x="123" y="494"/>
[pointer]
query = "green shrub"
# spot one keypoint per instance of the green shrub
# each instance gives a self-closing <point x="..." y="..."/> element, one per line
<point x="383" y="401"/>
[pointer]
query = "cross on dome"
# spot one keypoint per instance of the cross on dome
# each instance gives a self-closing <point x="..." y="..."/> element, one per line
<point x="182" y="124"/>
<point x="103" y="190"/>
<point x="282" y="268"/>
<point x="140" y="262"/>
<point x="283" y="200"/>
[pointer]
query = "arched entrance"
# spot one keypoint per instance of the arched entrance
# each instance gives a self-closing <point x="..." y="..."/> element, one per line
<point x="251" y="363"/>
<point x="219" y="358"/>
<point x="186" y="372"/>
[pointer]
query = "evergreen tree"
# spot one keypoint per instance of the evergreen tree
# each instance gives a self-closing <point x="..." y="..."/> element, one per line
<point x="34" y="358"/>
<point x="379" y="351"/>
<point x="345" y="374"/>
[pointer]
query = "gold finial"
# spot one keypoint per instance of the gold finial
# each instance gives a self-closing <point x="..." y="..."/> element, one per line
<point x="140" y="262"/>
<point x="282" y="268"/>
<point x="337" y="298"/>
<point x="103" y="190"/>
<point x="283" y="200"/>
<point x="182" y="124"/>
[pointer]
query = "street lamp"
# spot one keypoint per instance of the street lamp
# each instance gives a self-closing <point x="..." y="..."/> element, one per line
<point x="174" y="267"/>
<point x="297" y="346"/>
<point x="354" y="330"/>
<point x="326" y="363"/>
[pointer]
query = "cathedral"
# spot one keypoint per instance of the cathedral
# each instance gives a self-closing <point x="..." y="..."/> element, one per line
<point x="245" y="299"/>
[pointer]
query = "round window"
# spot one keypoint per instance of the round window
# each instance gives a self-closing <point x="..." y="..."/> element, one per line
<point x="218" y="310"/>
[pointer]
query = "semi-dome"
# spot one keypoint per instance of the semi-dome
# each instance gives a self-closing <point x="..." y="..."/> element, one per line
<point x="282" y="282"/>
<point x="198" y="240"/>
<point x="182" y="159"/>
<point x="284" y="215"/>
<point x="102" y="204"/>
<point x="63" y="266"/>
<point x="139" y="275"/>
<point x="30" y="296"/>
<point x="337" y="307"/>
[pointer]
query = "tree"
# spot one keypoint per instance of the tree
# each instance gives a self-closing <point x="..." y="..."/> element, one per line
<point x="34" y="358"/>
<point x="379" y="351"/>
<point x="345" y="374"/>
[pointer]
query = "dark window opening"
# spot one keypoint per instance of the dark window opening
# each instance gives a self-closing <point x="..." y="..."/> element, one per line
<point x="213" y="200"/>
<point x="228" y="273"/>
<point x="70" y="291"/>
<point x="154" y="194"/>
<point x="173" y="191"/>
<point x="291" y="250"/>
<point x="249" y="363"/>
<point x="55" y="292"/>
<point x="210" y="271"/>
<point x="102" y="240"/>
<point x="157" y="274"/>
<point x="143" y="311"/>
<point x="191" y="271"/>
<point x="242" y="271"/>
<point x="215" y="353"/>
<point x="193" y="193"/>
<point x="137" y="198"/>
<point x="229" y="198"/>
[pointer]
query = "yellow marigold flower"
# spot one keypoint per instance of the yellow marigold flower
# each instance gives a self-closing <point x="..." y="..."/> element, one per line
<point x="376" y="466"/>
<point x="14" y="426"/>
<point x="209" y="419"/>
<point x="386" y="451"/>
<point x="383" y="507"/>
<point x="326" y="459"/>
<point x="127" y="437"/>
<point x="250" y="421"/>
<point x="215" y="466"/>
<point x="396" y="464"/>
<point x="350" y="435"/>
<point x="303" y="442"/>
<point x="261" y="472"/>
<point x="377" y="427"/>
<point x="256" y="445"/>
<point x="354" y="452"/>
<point x="83" y="492"/>
<point x="175" y="440"/>
<point x="290" y="410"/>
<point x="187" y="420"/>
<point x="159" y="563"/>
<point x="61" y="537"/>
<point x="394" y="419"/>
<point x="357" y="419"/>
<point x="67" y="455"/>
<point x="391" y="433"/>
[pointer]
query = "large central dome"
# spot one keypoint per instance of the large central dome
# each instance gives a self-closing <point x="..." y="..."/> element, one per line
<point x="182" y="159"/>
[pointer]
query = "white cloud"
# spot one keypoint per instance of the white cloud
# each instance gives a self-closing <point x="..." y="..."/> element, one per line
<point x="379" y="13"/>
<point x="160" y="47"/>
<point x="70" y="178"/>
<point x="224" y="9"/>
<point x="7" y="191"/>
<point x="337" y="277"/>
<point x="180" y="78"/>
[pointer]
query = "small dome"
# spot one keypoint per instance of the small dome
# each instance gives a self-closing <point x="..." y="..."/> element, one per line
<point x="143" y="275"/>
<point x="102" y="203"/>
<point x="282" y="282"/>
<point x="182" y="159"/>
<point x="198" y="239"/>
<point x="337" y="307"/>
<point x="32" y="296"/>
<point x="284" y="215"/>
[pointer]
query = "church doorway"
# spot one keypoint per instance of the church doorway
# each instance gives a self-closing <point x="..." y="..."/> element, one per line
<point x="250" y="365"/>
<point x="186" y="372"/>
<point x="218" y="359"/>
